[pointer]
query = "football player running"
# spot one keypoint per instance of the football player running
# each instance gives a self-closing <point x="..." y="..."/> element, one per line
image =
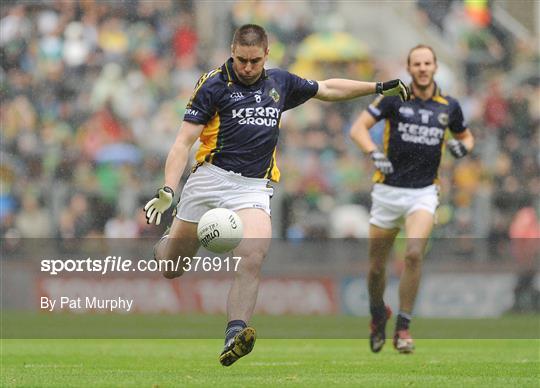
<point x="405" y="192"/>
<point x="235" y="111"/>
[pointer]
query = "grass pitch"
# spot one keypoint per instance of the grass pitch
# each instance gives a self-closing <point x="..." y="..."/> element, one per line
<point x="288" y="362"/>
<point x="310" y="363"/>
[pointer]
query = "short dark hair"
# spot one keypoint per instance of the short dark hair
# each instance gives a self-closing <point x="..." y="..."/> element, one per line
<point x="421" y="46"/>
<point x="250" y="35"/>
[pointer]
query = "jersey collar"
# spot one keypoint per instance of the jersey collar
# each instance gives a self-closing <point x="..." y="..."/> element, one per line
<point x="230" y="75"/>
<point x="436" y="92"/>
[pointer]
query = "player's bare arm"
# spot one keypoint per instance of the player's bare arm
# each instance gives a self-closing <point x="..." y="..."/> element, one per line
<point x="174" y="166"/>
<point x="360" y="132"/>
<point x="466" y="137"/>
<point x="178" y="155"/>
<point x="360" y="135"/>
<point x="338" y="89"/>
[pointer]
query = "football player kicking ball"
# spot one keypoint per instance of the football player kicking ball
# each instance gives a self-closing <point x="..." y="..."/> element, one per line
<point x="405" y="184"/>
<point x="235" y="111"/>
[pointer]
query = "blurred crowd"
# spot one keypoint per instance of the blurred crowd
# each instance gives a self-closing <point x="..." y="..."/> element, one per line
<point x="93" y="94"/>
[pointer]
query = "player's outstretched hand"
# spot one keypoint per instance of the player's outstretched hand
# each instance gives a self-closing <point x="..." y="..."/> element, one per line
<point x="396" y="87"/>
<point x="381" y="162"/>
<point x="457" y="149"/>
<point x="159" y="204"/>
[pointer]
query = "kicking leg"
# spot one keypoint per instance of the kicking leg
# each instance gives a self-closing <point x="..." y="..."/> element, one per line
<point x="180" y="242"/>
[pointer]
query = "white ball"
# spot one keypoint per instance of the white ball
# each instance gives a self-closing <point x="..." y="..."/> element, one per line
<point x="220" y="230"/>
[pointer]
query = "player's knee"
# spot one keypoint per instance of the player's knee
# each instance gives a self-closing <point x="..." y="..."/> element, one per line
<point x="251" y="263"/>
<point x="413" y="258"/>
<point x="172" y="269"/>
<point x="377" y="269"/>
<point x="173" y="257"/>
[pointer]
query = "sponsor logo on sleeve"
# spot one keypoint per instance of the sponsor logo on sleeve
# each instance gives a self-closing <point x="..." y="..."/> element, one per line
<point x="406" y="111"/>
<point x="374" y="110"/>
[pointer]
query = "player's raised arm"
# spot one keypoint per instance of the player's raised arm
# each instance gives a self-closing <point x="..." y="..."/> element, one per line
<point x="338" y="89"/>
<point x="174" y="167"/>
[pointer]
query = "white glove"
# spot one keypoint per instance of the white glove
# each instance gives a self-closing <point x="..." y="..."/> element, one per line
<point x="396" y="87"/>
<point x="381" y="162"/>
<point x="159" y="204"/>
<point x="456" y="148"/>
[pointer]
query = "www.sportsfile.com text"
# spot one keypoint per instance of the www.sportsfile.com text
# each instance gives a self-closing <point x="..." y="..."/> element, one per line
<point x="111" y="264"/>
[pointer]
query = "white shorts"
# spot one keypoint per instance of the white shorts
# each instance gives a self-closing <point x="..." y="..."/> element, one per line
<point x="210" y="187"/>
<point x="390" y="205"/>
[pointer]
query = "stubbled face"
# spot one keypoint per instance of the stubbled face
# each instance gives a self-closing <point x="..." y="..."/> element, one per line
<point x="422" y="68"/>
<point x="248" y="62"/>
